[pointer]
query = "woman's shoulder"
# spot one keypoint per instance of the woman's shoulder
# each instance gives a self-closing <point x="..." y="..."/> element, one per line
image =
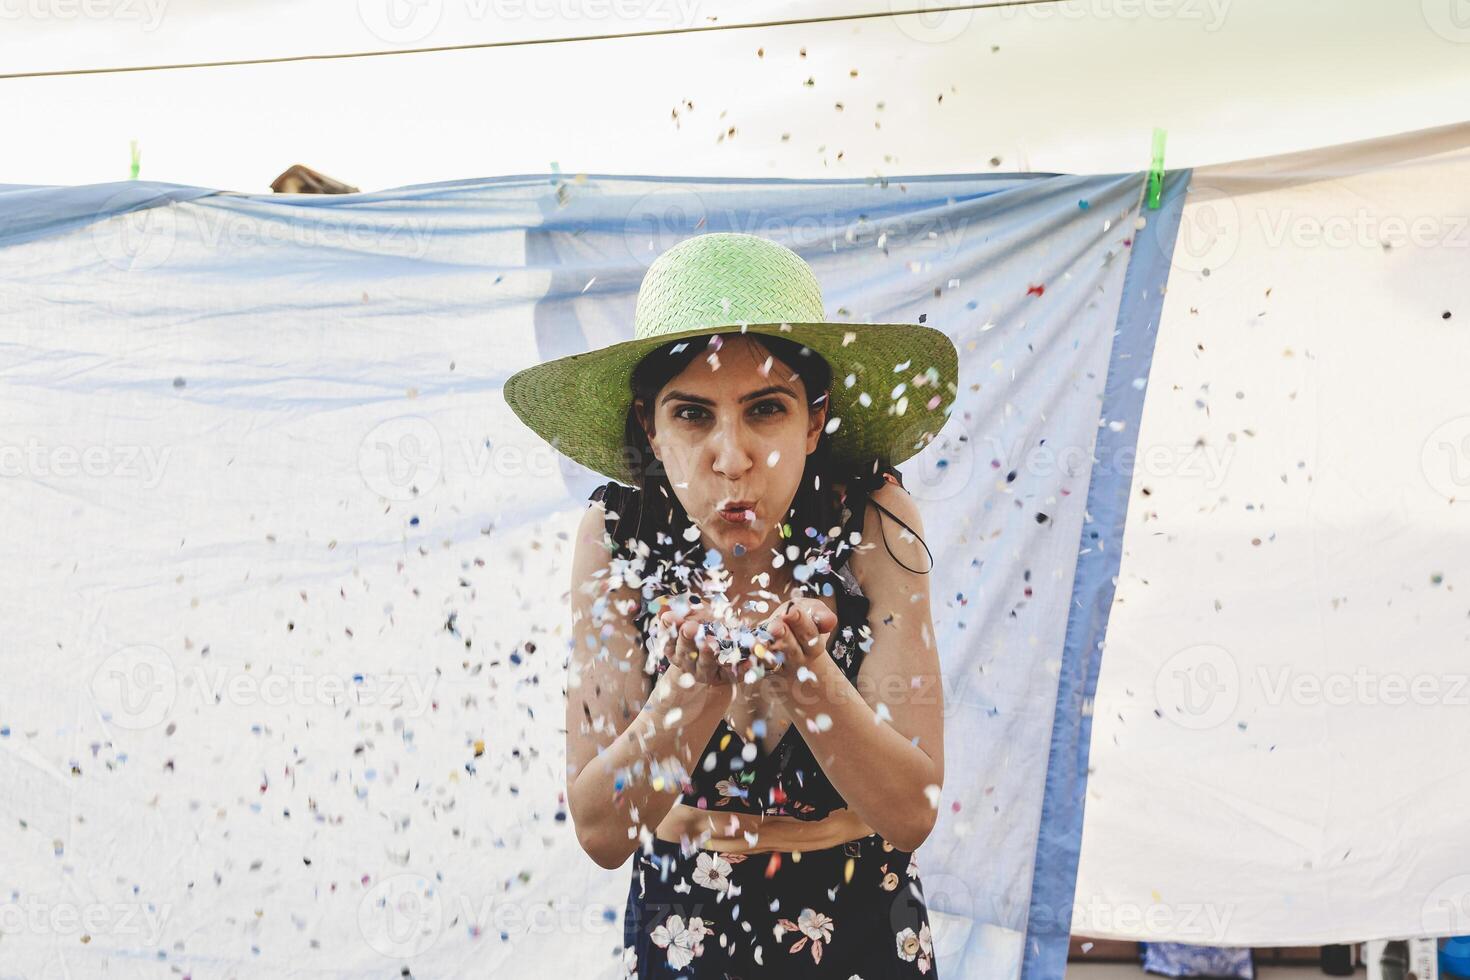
<point x="620" y="504"/>
<point x="866" y="482"/>
<point x="860" y="488"/>
<point x="616" y="499"/>
<point x="612" y="492"/>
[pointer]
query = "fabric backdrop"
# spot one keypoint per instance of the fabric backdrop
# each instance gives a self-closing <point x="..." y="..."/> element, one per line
<point x="286" y="588"/>
<point x="1281" y="717"/>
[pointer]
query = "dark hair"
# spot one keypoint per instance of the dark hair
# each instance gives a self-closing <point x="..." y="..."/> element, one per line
<point x="660" y="520"/>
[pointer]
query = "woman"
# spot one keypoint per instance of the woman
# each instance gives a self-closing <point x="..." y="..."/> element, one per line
<point x="754" y="704"/>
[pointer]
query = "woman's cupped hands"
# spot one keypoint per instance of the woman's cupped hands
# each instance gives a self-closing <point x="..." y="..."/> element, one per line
<point x="714" y="647"/>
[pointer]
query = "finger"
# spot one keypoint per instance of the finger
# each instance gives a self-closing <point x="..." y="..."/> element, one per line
<point x="803" y="630"/>
<point x="824" y="619"/>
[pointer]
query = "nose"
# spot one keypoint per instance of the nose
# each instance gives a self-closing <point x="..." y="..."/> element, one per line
<point x="731" y="460"/>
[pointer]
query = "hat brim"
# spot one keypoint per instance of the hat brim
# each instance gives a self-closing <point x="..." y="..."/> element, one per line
<point x="580" y="403"/>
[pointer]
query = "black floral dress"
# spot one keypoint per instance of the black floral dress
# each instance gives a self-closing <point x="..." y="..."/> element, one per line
<point x="853" y="910"/>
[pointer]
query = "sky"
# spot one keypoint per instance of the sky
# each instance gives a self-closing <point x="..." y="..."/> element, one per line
<point x="1055" y="87"/>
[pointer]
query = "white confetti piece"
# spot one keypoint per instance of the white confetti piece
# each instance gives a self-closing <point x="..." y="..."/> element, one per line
<point x="775" y="457"/>
<point x="849" y="381"/>
<point x="864" y="399"/>
<point x="832" y="425"/>
<point x="932" y="792"/>
<point x="848" y="338"/>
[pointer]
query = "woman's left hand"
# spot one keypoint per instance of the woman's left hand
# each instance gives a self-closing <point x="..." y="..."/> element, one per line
<point x="799" y="631"/>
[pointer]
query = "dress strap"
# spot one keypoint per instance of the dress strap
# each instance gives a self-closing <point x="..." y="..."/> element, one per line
<point x="616" y="500"/>
<point x="859" y="496"/>
<point x="905" y="526"/>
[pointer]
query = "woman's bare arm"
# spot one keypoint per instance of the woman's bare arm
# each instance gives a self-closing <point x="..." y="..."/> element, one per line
<point x="881" y="742"/>
<point x="622" y="727"/>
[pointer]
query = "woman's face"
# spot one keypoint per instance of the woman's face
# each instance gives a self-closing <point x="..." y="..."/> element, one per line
<point x="733" y="432"/>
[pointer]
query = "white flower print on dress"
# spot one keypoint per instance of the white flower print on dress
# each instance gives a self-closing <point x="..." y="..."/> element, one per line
<point x="926" y="949"/>
<point x="712" y="871"/>
<point x="729" y="790"/>
<point x="908" y="944"/>
<point x="683" y="942"/>
<point x="812" y="925"/>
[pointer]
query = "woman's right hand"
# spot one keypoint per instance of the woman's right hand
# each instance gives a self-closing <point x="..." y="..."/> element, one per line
<point x="695" y="652"/>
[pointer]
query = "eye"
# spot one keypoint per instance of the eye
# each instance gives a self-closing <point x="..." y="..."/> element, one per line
<point x="776" y="408"/>
<point x="679" y="413"/>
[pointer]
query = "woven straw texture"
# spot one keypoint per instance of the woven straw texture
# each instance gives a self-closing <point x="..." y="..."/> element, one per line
<point x="725" y="282"/>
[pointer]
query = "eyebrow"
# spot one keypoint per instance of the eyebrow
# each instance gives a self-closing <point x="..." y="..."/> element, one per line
<point x="699" y="400"/>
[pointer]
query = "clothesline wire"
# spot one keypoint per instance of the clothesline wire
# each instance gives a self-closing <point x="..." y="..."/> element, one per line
<point x="834" y="18"/>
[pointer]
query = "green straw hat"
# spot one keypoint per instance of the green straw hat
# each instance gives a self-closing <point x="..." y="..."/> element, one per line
<point x="893" y="384"/>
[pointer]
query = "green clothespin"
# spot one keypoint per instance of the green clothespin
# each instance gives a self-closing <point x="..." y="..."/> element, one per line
<point x="137" y="158"/>
<point x="1156" y="171"/>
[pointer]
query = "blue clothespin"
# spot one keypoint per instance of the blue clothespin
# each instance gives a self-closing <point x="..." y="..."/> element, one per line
<point x="1156" y="171"/>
